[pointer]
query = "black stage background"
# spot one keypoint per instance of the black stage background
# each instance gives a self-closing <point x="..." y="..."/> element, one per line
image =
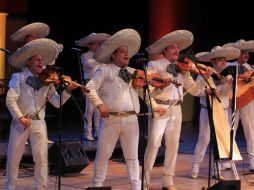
<point x="212" y="23"/>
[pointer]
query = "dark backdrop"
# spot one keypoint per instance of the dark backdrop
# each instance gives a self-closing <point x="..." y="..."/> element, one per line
<point x="212" y="23"/>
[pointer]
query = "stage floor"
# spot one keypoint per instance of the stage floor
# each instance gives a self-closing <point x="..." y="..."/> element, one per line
<point x="117" y="176"/>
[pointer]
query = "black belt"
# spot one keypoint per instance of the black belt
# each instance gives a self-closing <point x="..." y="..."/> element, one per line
<point x="122" y="114"/>
<point x="33" y="116"/>
<point x="168" y="102"/>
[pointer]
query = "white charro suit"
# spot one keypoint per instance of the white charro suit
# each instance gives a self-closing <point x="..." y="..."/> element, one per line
<point x="91" y="114"/>
<point x="204" y="126"/>
<point x="168" y="124"/>
<point x="107" y="88"/>
<point x="246" y="116"/>
<point x="21" y="100"/>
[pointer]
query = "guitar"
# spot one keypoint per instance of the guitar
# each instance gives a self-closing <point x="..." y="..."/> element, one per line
<point x="245" y="92"/>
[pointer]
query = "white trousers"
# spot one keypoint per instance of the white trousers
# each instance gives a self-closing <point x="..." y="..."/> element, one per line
<point x="37" y="133"/>
<point x="127" y="131"/>
<point x="91" y="114"/>
<point x="169" y="125"/>
<point x="246" y="116"/>
<point x="203" y="139"/>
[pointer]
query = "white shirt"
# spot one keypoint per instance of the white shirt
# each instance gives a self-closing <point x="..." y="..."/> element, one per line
<point x="171" y="92"/>
<point x="89" y="64"/>
<point x="22" y="99"/>
<point x="107" y="88"/>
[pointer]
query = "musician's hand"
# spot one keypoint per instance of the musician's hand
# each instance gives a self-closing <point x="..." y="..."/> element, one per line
<point x="245" y="78"/>
<point x="103" y="111"/>
<point x="166" y="82"/>
<point x="209" y="72"/>
<point x="73" y="85"/>
<point x="208" y="91"/>
<point x="26" y="122"/>
<point x="160" y="111"/>
<point x="138" y="83"/>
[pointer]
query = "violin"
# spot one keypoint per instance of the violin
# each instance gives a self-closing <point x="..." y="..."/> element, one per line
<point x="154" y="79"/>
<point x="188" y="65"/>
<point x="49" y="76"/>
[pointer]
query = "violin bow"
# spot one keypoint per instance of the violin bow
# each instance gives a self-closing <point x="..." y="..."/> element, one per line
<point x="184" y="94"/>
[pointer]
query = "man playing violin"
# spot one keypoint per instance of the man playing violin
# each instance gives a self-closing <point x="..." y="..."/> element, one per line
<point x="218" y="57"/>
<point x="168" y="121"/>
<point x="112" y="92"/>
<point x="30" y="32"/>
<point x="245" y="113"/>
<point x="25" y="101"/>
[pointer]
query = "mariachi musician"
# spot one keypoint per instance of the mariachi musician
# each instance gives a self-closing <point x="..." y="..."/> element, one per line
<point x="245" y="112"/>
<point x="218" y="57"/>
<point x="169" y="121"/>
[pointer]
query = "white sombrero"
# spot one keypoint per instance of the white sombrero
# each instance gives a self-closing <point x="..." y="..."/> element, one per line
<point x="125" y="37"/>
<point x="40" y="29"/>
<point x="228" y="53"/>
<point x="94" y="37"/>
<point x="242" y="45"/>
<point x="47" y="48"/>
<point x="183" y="38"/>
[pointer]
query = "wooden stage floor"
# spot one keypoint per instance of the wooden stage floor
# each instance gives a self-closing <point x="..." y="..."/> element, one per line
<point x="117" y="176"/>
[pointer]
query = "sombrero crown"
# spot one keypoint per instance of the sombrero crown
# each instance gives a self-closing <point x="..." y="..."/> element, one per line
<point x="93" y="37"/>
<point x="47" y="48"/>
<point x="125" y="37"/>
<point x="242" y="45"/>
<point x="183" y="38"/>
<point x="40" y="29"/>
<point x="229" y="53"/>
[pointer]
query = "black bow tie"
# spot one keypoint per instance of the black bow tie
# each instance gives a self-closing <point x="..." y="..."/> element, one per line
<point x="241" y="69"/>
<point x="34" y="82"/>
<point x="125" y="75"/>
<point x="173" y="69"/>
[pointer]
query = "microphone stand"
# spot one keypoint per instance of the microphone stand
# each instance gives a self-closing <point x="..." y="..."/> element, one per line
<point x="60" y="127"/>
<point x="63" y="86"/>
<point x="83" y="119"/>
<point x="144" y="122"/>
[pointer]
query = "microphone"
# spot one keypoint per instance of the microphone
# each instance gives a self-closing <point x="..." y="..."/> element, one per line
<point x="77" y="49"/>
<point x="5" y="50"/>
<point x="141" y="58"/>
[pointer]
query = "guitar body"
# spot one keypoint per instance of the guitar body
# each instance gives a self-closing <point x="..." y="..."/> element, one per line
<point x="245" y="92"/>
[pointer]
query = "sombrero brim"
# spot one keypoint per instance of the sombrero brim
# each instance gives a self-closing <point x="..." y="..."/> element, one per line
<point x="228" y="53"/>
<point x="94" y="37"/>
<point x="242" y="45"/>
<point x="47" y="48"/>
<point x="183" y="38"/>
<point x="126" y="37"/>
<point x="40" y="29"/>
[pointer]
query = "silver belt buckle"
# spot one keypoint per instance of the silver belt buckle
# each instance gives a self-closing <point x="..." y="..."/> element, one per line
<point x="121" y="114"/>
<point x="33" y="116"/>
